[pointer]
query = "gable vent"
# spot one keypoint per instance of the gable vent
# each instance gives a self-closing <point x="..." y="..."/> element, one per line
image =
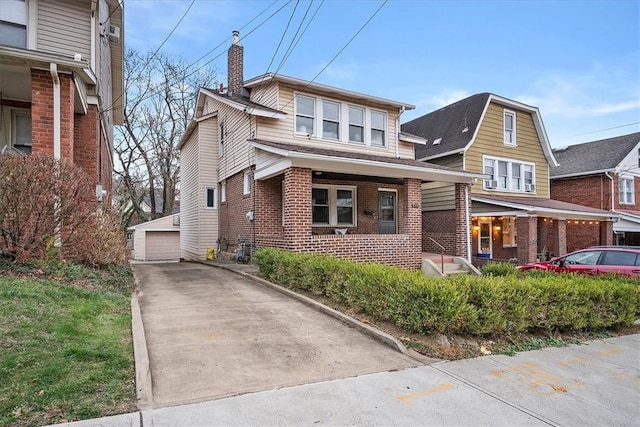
<point x="437" y="141"/>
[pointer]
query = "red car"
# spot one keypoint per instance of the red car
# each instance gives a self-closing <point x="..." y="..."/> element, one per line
<point x="596" y="260"/>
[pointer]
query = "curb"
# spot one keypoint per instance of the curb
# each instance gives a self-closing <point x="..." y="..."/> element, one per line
<point x="378" y="335"/>
<point x="144" y="389"/>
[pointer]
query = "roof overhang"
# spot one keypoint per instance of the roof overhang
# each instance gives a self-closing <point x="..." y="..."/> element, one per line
<point x="448" y="153"/>
<point x="505" y="208"/>
<point x="330" y="90"/>
<point x="627" y="223"/>
<point x="252" y="110"/>
<point x="413" y="139"/>
<point x="345" y="165"/>
<point x="579" y="174"/>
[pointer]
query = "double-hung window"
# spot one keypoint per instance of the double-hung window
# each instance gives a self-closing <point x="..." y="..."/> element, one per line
<point x="356" y="124"/>
<point x="625" y="191"/>
<point x="333" y="205"/>
<point x="509" y="127"/>
<point x="13" y="23"/>
<point x="508" y="175"/>
<point x="330" y="120"/>
<point x="305" y="114"/>
<point x="246" y="183"/>
<point x="378" y="127"/>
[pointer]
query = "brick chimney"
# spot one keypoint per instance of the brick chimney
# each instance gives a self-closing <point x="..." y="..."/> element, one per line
<point x="235" y="65"/>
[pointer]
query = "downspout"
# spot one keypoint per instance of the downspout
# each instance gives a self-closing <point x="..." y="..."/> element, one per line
<point x="467" y="221"/>
<point x="53" y="68"/>
<point x="612" y="189"/>
<point x="93" y="36"/>
<point x="398" y="132"/>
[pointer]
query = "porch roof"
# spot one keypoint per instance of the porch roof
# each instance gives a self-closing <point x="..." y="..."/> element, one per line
<point x="283" y="156"/>
<point x="26" y="58"/>
<point x="629" y="221"/>
<point x="541" y="207"/>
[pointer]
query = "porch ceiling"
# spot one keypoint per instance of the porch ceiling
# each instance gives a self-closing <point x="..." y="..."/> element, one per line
<point x="283" y="156"/>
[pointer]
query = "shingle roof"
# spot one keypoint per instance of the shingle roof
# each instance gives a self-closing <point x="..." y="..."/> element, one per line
<point x="543" y="203"/>
<point x="350" y="155"/>
<point x="448" y="123"/>
<point x="590" y="157"/>
<point x="243" y="100"/>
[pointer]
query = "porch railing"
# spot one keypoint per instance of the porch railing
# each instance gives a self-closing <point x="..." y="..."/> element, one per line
<point x="441" y="254"/>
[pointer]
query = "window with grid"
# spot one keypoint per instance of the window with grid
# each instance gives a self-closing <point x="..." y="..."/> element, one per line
<point x="625" y="191"/>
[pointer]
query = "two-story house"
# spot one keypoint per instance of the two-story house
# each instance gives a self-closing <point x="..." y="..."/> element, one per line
<point x="513" y="216"/>
<point x="602" y="174"/>
<point x="277" y="161"/>
<point x="61" y="81"/>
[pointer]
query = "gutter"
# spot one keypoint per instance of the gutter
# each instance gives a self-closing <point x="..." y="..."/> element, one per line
<point x="612" y="189"/>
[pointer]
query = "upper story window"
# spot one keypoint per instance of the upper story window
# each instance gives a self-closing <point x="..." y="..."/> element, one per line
<point x="330" y="120"/>
<point x="305" y="114"/>
<point x="509" y="127"/>
<point x="378" y="127"/>
<point x="13" y="23"/>
<point x="626" y="191"/>
<point x="508" y="175"/>
<point x="356" y="124"/>
<point x="340" y="121"/>
<point x="246" y="183"/>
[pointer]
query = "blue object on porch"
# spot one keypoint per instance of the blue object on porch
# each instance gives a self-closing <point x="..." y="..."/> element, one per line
<point x="483" y="256"/>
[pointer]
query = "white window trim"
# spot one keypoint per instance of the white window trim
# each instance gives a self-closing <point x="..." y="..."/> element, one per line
<point x="246" y="183"/>
<point x="223" y="191"/>
<point x="509" y="162"/>
<point x="343" y="123"/>
<point x="504" y="128"/>
<point x="340" y="117"/>
<point x="206" y="197"/>
<point x="10" y="114"/>
<point x="480" y="222"/>
<point x="333" y="205"/>
<point x="621" y="193"/>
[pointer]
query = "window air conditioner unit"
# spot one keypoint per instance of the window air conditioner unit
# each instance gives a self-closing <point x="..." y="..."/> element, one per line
<point x="114" y="34"/>
<point x="490" y="184"/>
<point x="529" y="188"/>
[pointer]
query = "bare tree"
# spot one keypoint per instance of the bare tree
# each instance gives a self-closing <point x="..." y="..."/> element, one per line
<point x="160" y="100"/>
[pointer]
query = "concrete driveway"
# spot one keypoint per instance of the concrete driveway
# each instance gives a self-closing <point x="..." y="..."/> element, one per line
<point x="211" y="333"/>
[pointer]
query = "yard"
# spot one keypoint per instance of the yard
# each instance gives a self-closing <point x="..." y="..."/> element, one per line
<point x="66" y="348"/>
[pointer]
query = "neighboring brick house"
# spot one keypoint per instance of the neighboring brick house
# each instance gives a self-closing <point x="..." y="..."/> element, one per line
<point x="602" y="174"/>
<point x="61" y="81"/>
<point x="513" y="217"/>
<point x="284" y="162"/>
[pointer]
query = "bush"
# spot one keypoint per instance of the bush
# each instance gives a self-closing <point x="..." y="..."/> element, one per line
<point x="494" y="304"/>
<point x="499" y="268"/>
<point x="48" y="212"/>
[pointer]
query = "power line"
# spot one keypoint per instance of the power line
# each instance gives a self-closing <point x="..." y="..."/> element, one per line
<point x="284" y="33"/>
<point x="603" y="130"/>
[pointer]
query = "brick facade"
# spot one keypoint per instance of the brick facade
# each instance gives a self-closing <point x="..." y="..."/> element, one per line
<point x="233" y="221"/>
<point x="292" y="228"/>
<point x="527" y="239"/>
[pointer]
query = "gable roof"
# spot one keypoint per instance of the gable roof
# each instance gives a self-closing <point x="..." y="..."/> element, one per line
<point x="243" y="103"/>
<point x="593" y="157"/>
<point x="456" y="126"/>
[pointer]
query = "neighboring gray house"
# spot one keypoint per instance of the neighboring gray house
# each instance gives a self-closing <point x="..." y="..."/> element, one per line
<point x="61" y="81"/>
<point x="603" y="174"/>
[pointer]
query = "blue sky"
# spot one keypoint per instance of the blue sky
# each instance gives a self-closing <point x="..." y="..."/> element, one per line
<point x="577" y="61"/>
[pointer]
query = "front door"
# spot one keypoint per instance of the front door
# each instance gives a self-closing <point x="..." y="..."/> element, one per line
<point x="387" y="223"/>
<point x="484" y="237"/>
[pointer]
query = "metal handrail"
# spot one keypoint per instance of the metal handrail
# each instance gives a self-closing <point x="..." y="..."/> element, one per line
<point x="441" y="254"/>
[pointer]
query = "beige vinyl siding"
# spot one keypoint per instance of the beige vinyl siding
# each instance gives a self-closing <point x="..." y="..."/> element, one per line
<point x="237" y="154"/>
<point x="103" y="72"/>
<point x="453" y="161"/>
<point x="438" y="197"/>
<point x="64" y="28"/>
<point x="208" y="177"/>
<point x="266" y="95"/>
<point x="189" y="199"/>
<point x="490" y="141"/>
<point x="283" y="130"/>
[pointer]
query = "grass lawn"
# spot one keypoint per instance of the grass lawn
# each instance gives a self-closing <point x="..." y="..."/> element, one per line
<point x="66" y="351"/>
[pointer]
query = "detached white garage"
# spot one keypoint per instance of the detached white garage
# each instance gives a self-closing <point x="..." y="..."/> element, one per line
<point x="157" y="240"/>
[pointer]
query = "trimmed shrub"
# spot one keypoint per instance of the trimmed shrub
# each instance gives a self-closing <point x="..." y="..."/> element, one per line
<point x="488" y="305"/>
<point x="498" y="269"/>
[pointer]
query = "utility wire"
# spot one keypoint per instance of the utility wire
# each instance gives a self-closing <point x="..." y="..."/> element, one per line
<point x="603" y="130"/>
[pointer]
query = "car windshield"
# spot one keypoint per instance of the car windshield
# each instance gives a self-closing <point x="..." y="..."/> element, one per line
<point x="583" y="258"/>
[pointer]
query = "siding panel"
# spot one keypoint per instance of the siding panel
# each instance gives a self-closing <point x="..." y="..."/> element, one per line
<point x="64" y="28"/>
<point x="189" y="200"/>
<point x="208" y="177"/>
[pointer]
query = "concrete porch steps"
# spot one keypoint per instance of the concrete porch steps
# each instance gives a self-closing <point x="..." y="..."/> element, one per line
<point x="432" y="265"/>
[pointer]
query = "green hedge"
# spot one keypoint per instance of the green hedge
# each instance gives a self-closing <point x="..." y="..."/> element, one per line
<point x="463" y="304"/>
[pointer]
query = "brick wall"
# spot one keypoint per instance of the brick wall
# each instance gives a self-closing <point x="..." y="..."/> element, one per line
<point x="527" y="239"/>
<point x="233" y="214"/>
<point x="593" y="191"/>
<point x="440" y="226"/>
<point x="86" y="133"/>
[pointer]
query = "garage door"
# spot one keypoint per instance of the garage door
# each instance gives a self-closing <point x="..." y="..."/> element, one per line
<point x="162" y="245"/>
